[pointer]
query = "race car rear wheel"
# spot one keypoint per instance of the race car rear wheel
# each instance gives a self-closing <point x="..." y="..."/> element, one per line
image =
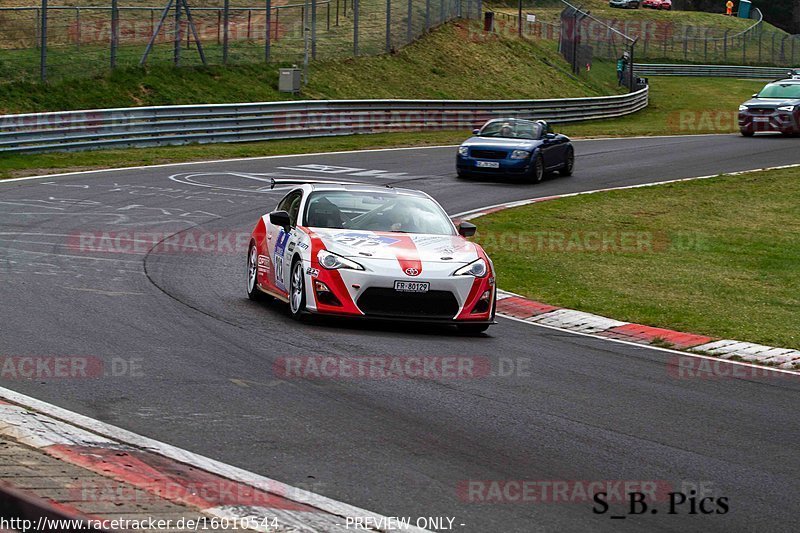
<point x="297" y="290"/>
<point x="253" y="291"/>
<point x="747" y="133"/>
<point x="569" y="163"/>
<point x="537" y="173"/>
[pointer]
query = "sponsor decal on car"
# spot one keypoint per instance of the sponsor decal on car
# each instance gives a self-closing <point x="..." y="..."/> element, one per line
<point x="313" y="272"/>
<point x="362" y="240"/>
<point x="280" y="251"/>
<point x="263" y="264"/>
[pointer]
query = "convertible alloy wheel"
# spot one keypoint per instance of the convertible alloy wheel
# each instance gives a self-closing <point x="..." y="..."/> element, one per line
<point x="538" y="169"/>
<point x="569" y="163"/>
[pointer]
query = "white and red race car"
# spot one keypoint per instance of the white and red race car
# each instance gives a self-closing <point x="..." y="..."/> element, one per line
<point x="371" y="252"/>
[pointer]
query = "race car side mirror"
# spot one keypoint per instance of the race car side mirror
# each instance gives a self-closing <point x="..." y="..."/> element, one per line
<point x="475" y="132"/>
<point x="465" y="229"/>
<point x="280" y="219"/>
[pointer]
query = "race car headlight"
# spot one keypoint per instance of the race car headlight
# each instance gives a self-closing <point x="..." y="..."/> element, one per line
<point x="463" y="150"/>
<point x="331" y="261"/>
<point x="789" y="108"/>
<point x="477" y="269"/>
<point x="743" y="108"/>
<point x="520" y="154"/>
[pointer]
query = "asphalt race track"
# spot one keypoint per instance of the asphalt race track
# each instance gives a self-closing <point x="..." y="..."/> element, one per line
<point x="198" y="356"/>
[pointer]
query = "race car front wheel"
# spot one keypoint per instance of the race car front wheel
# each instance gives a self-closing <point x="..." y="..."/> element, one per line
<point x="297" y="290"/>
<point x="252" y="274"/>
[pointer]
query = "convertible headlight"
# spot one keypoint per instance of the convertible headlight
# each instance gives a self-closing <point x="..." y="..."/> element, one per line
<point x="743" y="108"/>
<point x="463" y="150"/>
<point x="331" y="261"/>
<point x="789" y="108"/>
<point x="520" y="154"/>
<point x="477" y="269"/>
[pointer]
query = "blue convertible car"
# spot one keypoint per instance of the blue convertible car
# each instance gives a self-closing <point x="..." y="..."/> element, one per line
<point x="515" y="147"/>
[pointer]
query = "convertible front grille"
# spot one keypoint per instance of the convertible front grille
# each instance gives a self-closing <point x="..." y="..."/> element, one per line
<point x="488" y="154"/>
<point x="382" y="302"/>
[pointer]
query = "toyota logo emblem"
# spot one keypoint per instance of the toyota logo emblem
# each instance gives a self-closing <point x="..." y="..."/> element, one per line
<point x="412" y="272"/>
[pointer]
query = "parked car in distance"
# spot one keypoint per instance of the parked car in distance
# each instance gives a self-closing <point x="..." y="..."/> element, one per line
<point x="624" y="4"/>
<point x="665" y="5"/>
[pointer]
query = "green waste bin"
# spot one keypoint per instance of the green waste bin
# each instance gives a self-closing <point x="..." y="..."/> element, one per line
<point x="744" y="9"/>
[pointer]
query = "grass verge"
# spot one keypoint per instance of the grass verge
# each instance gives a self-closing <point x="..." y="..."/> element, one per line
<point x="717" y="256"/>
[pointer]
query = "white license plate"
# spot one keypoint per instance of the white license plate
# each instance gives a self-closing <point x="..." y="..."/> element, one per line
<point x="488" y="164"/>
<point x="412" y="286"/>
<point x="760" y="119"/>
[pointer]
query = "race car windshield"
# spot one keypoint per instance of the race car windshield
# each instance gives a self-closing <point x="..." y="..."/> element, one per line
<point x="777" y="90"/>
<point x="375" y="211"/>
<point x="511" y="129"/>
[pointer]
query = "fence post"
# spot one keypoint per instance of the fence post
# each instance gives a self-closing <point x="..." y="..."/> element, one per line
<point x="78" y="26"/>
<point x="267" y="44"/>
<point x="725" y="46"/>
<point x="337" y="13"/>
<point x="686" y="43"/>
<point x="427" y="15"/>
<point x="355" y="27"/>
<point x="772" y="56"/>
<point x="328" y="16"/>
<point x="313" y="29"/>
<point x="43" y="42"/>
<point x="409" y="29"/>
<point x="226" y="13"/>
<point x="176" y="52"/>
<point x="744" y="49"/>
<point x="441" y="11"/>
<point x="388" y="26"/>
<point x="114" y="32"/>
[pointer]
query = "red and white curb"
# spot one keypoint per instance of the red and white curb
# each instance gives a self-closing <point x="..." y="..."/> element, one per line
<point x="214" y="488"/>
<point x="518" y="307"/>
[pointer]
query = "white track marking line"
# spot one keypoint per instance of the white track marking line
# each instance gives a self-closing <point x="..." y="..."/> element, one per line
<point x="265" y="157"/>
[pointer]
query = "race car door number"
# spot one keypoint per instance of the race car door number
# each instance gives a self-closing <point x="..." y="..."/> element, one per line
<point x="412" y="286"/>
<point x="488" y="164"/>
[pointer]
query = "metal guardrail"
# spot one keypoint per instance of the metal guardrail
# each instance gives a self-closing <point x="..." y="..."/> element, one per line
<point x="173" y="125"/>
<point x="725" y="71"/>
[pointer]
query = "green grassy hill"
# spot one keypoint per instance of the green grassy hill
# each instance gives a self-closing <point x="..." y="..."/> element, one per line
<point x="453" y="61"/>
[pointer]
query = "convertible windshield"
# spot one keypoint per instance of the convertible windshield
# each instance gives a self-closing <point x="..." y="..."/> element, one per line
<point x="511" y="129"/>
<point x="375" y="211"/>
<point x="780" y="90"/>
